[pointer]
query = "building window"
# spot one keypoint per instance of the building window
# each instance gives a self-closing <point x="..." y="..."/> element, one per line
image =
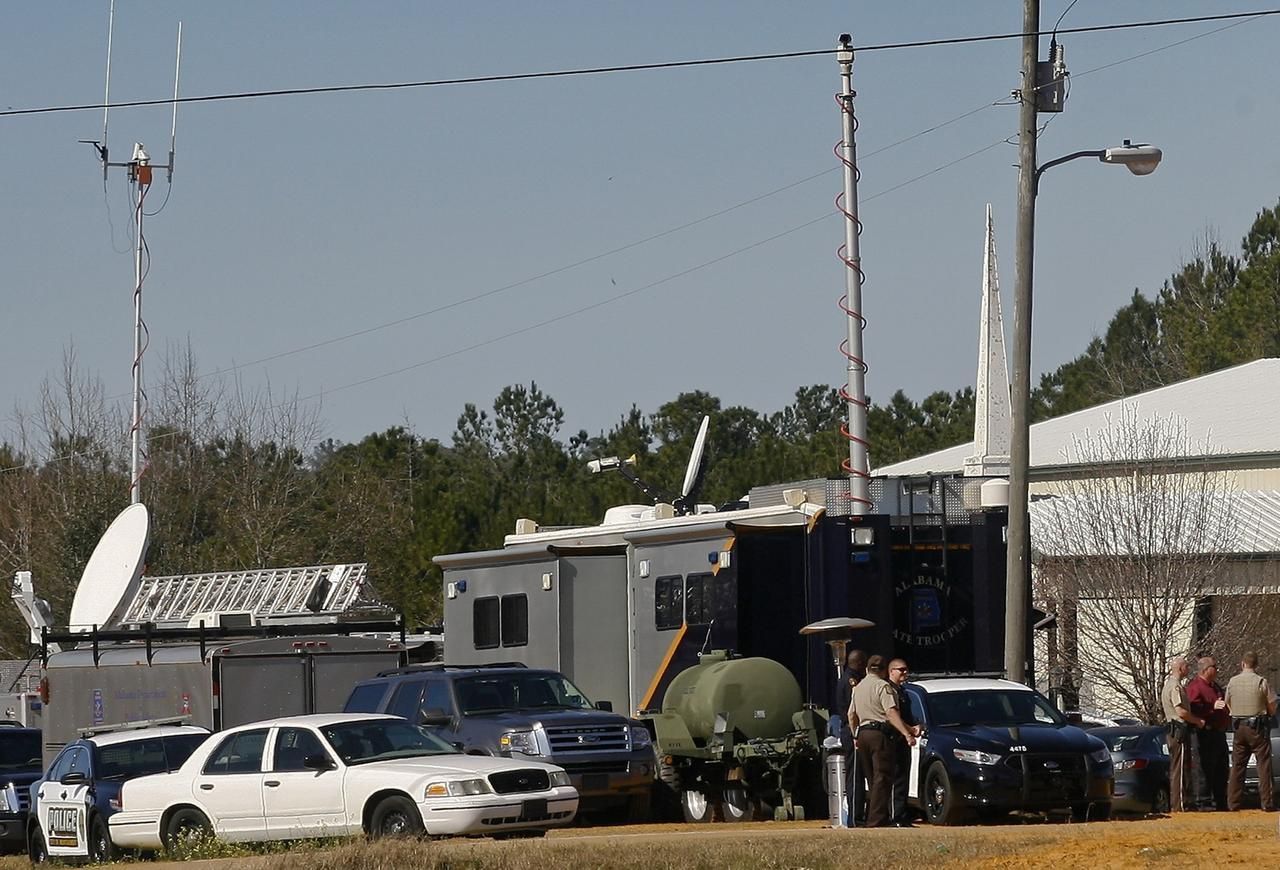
<point x="485" y="622"/>
<point x="699" y="599"/>
<point x="515" y="620"/>
<point x="668" y="602"/>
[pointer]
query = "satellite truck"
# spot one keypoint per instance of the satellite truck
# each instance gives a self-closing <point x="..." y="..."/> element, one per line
<point x="217" y="649"/>
<point x="626" y="607"/>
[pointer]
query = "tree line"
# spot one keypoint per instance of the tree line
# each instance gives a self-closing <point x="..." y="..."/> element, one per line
<point x="239" y="478"/>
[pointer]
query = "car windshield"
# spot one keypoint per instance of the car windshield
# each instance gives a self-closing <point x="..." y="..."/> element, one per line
<point x="123" y="761"/>
<point x="998" y="707"/>
<point x="497" y="693"/>
<point x="381" y="739"/>
<point x="19" y="750"/>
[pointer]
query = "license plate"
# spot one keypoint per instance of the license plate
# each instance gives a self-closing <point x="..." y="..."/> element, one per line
<point x="534" y="810"/>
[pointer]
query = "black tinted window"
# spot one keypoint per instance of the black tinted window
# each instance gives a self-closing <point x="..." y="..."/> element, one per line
<point x="293" y="746"/>
<point x="404" y="703"/>
<point x="239" y="753"/>
<point x="515" y="620"/>
<point x="364" y="699"/>
<point x="62" y="764"/>
<point x="437" y="697"/>
<point x="999" y="707"/>
<point x="668" y="602"/>
<point x="19" y="750"/>
<point x="699" y="599"/>
<point x="178" y="748"/>
<point x="122" y="761"/>
<point x="485" y="623"/>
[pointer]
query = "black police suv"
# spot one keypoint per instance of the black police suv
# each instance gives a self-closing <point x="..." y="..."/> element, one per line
<point x="516" y="711"/>
<point x="992" y="746"/>
<point x="19" y="767"/>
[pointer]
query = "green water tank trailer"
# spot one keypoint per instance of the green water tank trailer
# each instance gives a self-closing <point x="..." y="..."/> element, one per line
<point x="758" y="696"/>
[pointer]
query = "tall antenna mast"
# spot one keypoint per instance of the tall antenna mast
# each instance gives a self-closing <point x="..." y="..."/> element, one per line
<point x="854" y="392"/>
<point x="139" y="168"/>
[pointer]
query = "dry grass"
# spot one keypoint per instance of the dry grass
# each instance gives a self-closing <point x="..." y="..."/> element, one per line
<point x="1240" y="840"/>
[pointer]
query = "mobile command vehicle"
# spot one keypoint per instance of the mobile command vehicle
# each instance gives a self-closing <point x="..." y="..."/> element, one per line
<point x="72" y="801"/>
<point x="336" y="775"/>
<point x="622" y="607"/>
<point x="521" y="713"/>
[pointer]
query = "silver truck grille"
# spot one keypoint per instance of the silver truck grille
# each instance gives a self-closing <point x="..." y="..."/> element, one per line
<point x="600" y="738"/>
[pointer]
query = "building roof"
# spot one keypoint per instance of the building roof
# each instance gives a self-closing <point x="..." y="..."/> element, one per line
<point x="1234" y="410"/>
<point x="1250" y="520"/>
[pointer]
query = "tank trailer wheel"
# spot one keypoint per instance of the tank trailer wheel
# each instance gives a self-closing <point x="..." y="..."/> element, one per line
<point x="739" y="805"/>
<point x="696" y="807"/>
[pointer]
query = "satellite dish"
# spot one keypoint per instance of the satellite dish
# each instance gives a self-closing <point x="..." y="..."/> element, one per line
<point x="112" y="574"/>
<point x="694" y="471"/>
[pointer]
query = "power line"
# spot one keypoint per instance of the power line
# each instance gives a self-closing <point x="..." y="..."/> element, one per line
<point x="638" y="67"/>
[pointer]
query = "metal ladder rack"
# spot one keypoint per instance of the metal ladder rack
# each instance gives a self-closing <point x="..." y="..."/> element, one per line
<point x="266" y="592"/>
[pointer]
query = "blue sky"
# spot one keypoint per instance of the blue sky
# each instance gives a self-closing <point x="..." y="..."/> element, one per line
<point x="299" y="219"/>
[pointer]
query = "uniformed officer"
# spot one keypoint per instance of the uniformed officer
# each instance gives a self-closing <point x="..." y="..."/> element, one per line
<point x="1178" y="721"/>
<point x="1252" y="705"/>
<point x="898" y="673"/>
<point x="873" y="714"/>
<point x="855" y="784"/>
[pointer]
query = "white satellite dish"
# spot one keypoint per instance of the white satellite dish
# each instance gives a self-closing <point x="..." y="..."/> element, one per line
<point x="112" y="574"/>
<point x="695" y="459"/>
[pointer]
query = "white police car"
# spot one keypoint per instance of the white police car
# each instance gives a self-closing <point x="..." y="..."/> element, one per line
<point x="71" y="803"/>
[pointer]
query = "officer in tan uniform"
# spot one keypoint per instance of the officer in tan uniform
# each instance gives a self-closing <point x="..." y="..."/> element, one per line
<point x="873" y="713"/>
<point x="1252" y="705"/>
<point x="1178" y="722"/>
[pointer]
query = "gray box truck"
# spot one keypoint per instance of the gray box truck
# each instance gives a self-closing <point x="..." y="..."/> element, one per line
<point x="219" y="677"/>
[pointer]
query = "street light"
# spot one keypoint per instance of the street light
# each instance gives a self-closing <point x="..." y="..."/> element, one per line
<point x="1140" y="160"/>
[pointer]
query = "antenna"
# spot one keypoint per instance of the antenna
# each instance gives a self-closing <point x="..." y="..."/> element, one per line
<point x="139" y="168"/>
<point x="686" y="502"/>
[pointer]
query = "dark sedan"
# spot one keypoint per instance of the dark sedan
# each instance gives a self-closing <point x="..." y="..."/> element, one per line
<point x="1140" y="757"/>
<point x="993" y="746"/>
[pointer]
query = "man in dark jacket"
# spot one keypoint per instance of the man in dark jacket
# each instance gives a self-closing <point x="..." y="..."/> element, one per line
<point x="1208" y="702"/>
<point x="855" y="671"/>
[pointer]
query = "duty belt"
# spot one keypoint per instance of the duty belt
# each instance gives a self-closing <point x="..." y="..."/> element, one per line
<point x="1257" y="722"/>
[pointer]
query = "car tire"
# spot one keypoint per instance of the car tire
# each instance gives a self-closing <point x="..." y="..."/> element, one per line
<point x="395" y="816"/>
<point x="695" y="807"/>
<point x="37" y="850"/>
<point x="186" y="828"/>
<point x="101" y="849"/>
<point x="1160" y="801"/>
<point x="739" y="805"/>
<point x="940" y="800"/>
<point x="1094" y="812"/>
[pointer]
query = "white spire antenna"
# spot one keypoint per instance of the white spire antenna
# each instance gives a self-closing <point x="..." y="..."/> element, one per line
<point x="140" y="169"/>
<point x="991" y="419"/>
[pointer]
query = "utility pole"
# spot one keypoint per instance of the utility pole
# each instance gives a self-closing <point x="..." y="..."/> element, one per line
<point x="1018" y="535"/>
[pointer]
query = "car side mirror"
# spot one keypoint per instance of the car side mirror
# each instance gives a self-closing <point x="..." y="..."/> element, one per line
<point x="606" y="706"/>
<point x="1075" y="719"/>
<point x="434" y="718"/>
<point x="461" y="747"/>
<point x="75" y="777"/>
<point x="319" y="761"/>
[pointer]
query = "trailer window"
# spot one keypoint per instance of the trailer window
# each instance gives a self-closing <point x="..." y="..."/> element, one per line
<point x="485" y="623"/>
<point x="515" y="620"/>
<point x="668" y="602"/>
<point x="699" y="599"/>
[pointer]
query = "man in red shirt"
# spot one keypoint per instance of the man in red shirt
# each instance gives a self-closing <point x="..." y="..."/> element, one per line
<point x="1207" y="701"/>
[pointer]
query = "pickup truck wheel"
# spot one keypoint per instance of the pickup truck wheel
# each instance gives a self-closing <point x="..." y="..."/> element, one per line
<point x="37" y="851"/>
<point x="101" y="849"/>
<point x="695" y="807"/>
<point x="940" y="797"/>
<point x="395" y="817"/>
<point x="187" y="829"/>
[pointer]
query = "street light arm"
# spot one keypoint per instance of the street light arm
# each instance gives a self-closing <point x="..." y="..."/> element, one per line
<point x="1099" y="154"/>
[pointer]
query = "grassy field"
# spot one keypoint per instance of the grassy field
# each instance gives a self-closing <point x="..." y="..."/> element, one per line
<point x="1239" y="840"/>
